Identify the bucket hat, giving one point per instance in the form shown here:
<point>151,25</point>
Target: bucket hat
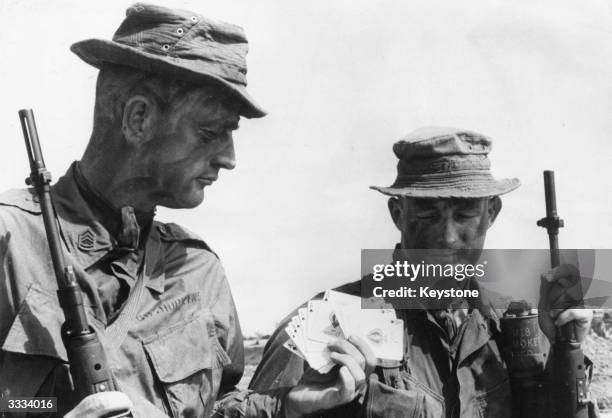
<point>177,44</point>
<point>437,162</point>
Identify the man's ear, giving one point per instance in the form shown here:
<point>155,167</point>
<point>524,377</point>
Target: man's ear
<point>138,116</point>
<point>494,206</point>
<point>395,210</point>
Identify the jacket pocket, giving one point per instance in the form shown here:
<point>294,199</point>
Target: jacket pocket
<point>496,402</point>
<point>383,401</point>
<point>188,361</point>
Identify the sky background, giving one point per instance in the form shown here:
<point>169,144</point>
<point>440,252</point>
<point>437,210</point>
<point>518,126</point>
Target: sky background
<point>343,80</point>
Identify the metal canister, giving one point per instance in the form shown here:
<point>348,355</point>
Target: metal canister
<point>525,358</point>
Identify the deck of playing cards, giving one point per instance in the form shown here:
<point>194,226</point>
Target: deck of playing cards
<point>339,315</point>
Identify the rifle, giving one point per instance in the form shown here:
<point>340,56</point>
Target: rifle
<point>566,363</point>
<point>88,366</point>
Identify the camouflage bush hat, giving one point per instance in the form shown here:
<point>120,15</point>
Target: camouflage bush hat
<point>439,162</point>
<point>177,44</point>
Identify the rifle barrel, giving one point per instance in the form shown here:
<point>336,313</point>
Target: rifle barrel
<point>551,214</point>
<point>88,366</point>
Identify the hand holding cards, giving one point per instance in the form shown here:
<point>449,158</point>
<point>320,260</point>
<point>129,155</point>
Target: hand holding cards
<point>338,316</point>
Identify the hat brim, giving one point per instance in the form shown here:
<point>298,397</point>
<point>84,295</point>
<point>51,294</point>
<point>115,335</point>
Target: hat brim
<point>449,187</point>
<point>98,51</point>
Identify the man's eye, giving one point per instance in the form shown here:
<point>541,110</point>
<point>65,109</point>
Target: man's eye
<point>208,134</point>
<point>426,215</point>
<point>467,214</point>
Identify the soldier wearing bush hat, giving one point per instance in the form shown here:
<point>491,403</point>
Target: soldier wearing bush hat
<point>170,92</point>
<point>444,198</point>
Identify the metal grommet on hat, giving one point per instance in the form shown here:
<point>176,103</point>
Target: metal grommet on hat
<point>180,31</point>
<point>194,19</point>
<point>166,47</point>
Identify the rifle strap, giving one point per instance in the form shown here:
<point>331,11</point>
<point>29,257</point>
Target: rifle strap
<point>116,332</point>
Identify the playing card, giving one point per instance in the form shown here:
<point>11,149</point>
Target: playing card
<point>349,311</point>
<point>388,342</point>
<point>323,325</point>
<point>339,315</point>
<point>374,302</point>
<point>302,314</point>
<point>310,344</point>
<point>289,345</point>
<point>316,354</point>
<point>295,339</point>
<point>383,334</point>
<point>352,322</point>
<point>342,301</point>
<point>298,327</point>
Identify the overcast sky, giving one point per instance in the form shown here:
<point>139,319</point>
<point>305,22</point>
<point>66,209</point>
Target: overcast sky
<point>343,80</point>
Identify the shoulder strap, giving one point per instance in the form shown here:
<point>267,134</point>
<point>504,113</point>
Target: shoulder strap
<point>24,199</point>
<point>172,232</point>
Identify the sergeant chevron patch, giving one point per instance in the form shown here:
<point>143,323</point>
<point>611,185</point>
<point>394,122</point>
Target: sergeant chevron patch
<point>86,240</point>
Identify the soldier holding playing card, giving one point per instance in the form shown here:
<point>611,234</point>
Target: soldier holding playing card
<point>443,198</point>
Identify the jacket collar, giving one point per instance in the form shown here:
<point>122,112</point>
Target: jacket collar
<point>86,238</point>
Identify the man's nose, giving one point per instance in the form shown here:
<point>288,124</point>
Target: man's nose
<point>450,233</point>
<point>226,157</point>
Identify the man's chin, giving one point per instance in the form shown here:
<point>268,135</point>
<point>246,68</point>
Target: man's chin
<point>184,202</point>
